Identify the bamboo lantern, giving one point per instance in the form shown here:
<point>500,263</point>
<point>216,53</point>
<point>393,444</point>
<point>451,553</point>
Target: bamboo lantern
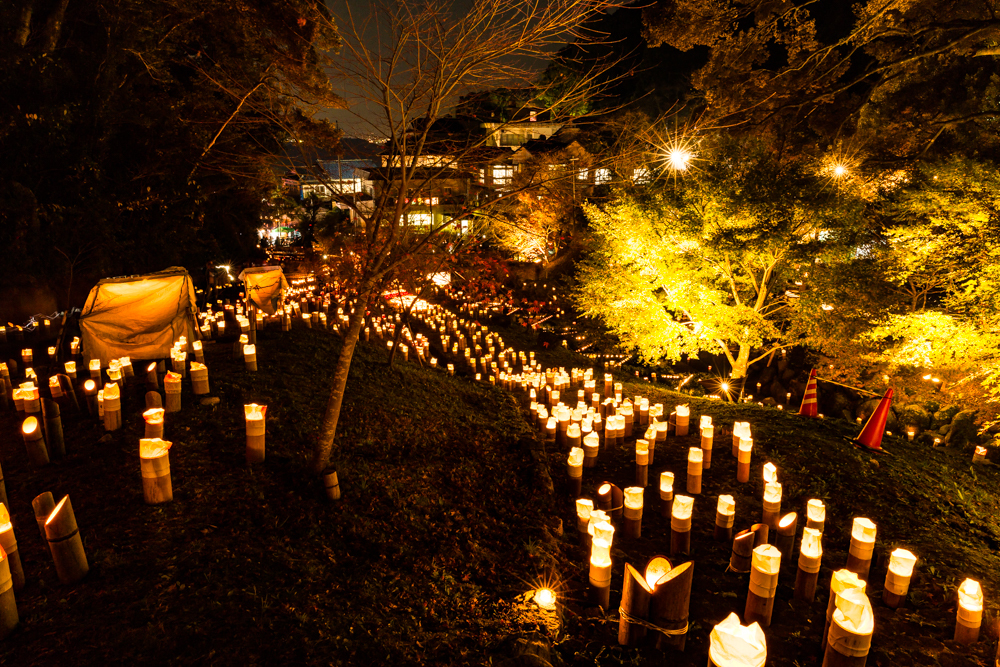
<point>743,545</point>
<point>199,378</point>
<point>584,507</point>
<point>574,467</point>
<point>126,368</point>
<point>634,606</point>
<point>95,370</point>
<point>591,446</point>
<point>8,606</point>
<point>63,537</point>
<point>599,526</point>
<point>772,505</point>
<point>52,355</point>
<point>627,415</point>
<point>71,369</point>
<point>683,420</point>
<point>55,443</point>
<point>784,536</point>
<point>765,565</point>
<point>815,515</point>
<point>250,357</point>
<point>332,484</point>
<point>152,380</point>
<point>733,645</point>
<point>743,460</point>
<point>608,385</point>
<point>859,559</point>
<point>741,430</point>
<point>573,435</point>
<point>644,412</point>
<point>970,612</point>
<point>694,471</point>
<point>979,455</point>
<point>810,559</point>
<point>154,463</point>
<point>600,573</point>
<point>897,578</point>
<point>641,463</point>
<point>153,400</point>
<point>725,516</point>
<point>633,511</point>
<point>115,373</point>
<point>851,628</point>
<point>32,401</point>
<point>55,389</point>
<point>3,489</point>
<point>172,392</point>
<point>9,545</point>
<point>17,395</point>
<point>680,525</point>
<point>154,422</point>
<point>661,432</point>
<point>31,431</point>
<point>666,493</point>
<point>670,601</point>
<point>112,407</point>
<point>43,504</point>
<point>707,435</point>
<point>551,427</point>
<point>841,581</point>
<point>27,356</point>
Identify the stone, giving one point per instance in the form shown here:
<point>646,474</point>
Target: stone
<point>915,415</point>
<point>210,401</point>
<point>945,415</point>
<point>963,429</point>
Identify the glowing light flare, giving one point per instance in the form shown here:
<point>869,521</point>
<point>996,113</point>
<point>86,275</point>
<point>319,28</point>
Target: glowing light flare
<point>545,599</point>
<point>678,158</point>
<point>658,568</point>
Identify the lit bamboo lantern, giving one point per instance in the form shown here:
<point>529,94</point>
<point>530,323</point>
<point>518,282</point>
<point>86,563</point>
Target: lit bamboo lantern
<point>255,415</point>
<point>154,463</point>
<point>743,460</point>
<point>815,514</point>
<point>859,559</point>
<point>8,606</point>
<point>765,565</point>
<point>644,412</point>
<point>584,507</point>
<point>17,394</point>
<point>55,389</point>
<point>627,414</point>
<point>125,364</point>
<point>661,432</point>
<point>3,489</point>
<point>112,407</point>
<point>199,378</point>
<point>970,612</point>
<point>27,356</point>
<point>610,499</point>
<point>770,472</point>
<point>725,516</point>
<point>74,345</point>
<point>810,559</point>
<point>172,392</point>
<point>115,372</point>
<point>733,645</point>
<point>850,635</point>
<point>897,578</point>
<point>591,446</point>
<point>63,536</point>
<point>34,443</point>
<point>841,581</point>
<point>573,435</point>
<point>9,544</point>
<point>683,420</point>
<point>741,430</point>
<point>666,493</point>
<point>785,532</point>
<point>152,380</point>
<point>250,357</point>
<point>52,355</point>
<point>154,422</point>
<point>979,455</point>
<point>32,400</point>
<point>743,545</point>
<point>680,525</point>
<point>95,370</point>
<point>694,470</point>
<point>772,505</point>
<point>43,504</point>
<point>71,369</point>
<point>636,592</point>
<point>641,463</point>
<point>633,511</point>
<point>574,467</point>
<point>600,573</point>
<point>707,435</point>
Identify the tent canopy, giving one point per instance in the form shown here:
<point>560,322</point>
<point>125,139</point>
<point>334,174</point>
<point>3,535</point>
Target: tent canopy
<point>138,316</point>
<point>265,285</point>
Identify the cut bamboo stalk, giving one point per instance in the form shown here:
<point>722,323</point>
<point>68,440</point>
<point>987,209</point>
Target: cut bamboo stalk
<point>841,581</point>
<point>670,604</point>
<point>112,407</point>
<point>694,471</point>
<point>850,635</point>
<point>574,435</point>
<point>627,413</point>
<point>250,357</point>
<point>764,569</point>
<point>154,464</point>
<point>3,489</point>
<point>610,499</point>
<point>153,400</point>
<point>666,493</point>
<point>38,454</point>
<point>707,435</point>
<point>8,606</point>
<point>95,370</point>
<point>741,431</point>
<point>680,525</point>
<point>739,559</point>
<point>574,468</point>
<point>584,508</point>
<point>154,423</point>
<point>152,379</point>
<point>54,440</point>
<point>332,484</point>
<point>43,504</point>
<point>725,516</point>
<point>599,590</point>
<point>743,460</point>
<point>635,605</point>
<point>172,392</point>
<point>255,416</point>
<point>859,559</point>
<point>810,559</point>
<point>199,378</point>
<point>815,515</point>
<point>591,447</point>
<point>771,507</point>
<point>641,463</point>
<point>969,618</point>
<point>682,420</point>
<point>69,392</point>
<point>897,578</point>
<point>551,428</point>
<point>785,533</point>
<point>633,511</point>
<point>733,645</point>
<point>9,544</point>
<point>63,536</point>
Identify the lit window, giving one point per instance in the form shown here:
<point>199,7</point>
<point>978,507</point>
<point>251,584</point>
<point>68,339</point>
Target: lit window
<point>502,175</point>
<point>582,174</point>
<point>602,175</point>
<point>641,175</point>
<point>421,219</point>
<point>482,175</point>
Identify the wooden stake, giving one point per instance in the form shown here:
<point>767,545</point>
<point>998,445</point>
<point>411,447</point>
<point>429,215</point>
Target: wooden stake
<point>63,536</point>
<point>635,605</point>
<point>154,463</point>
<point>669,606</point>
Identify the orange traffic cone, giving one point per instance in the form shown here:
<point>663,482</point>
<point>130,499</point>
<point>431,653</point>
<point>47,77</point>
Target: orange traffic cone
<point>871,434</point>
<point>809,406</point>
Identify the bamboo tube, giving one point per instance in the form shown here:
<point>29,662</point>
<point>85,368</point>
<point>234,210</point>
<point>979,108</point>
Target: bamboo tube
<point>850,635</point>
<point>199,378</point>
<point>764,569</point>
<point>725,516</point>
<point>250,357</point>
<point>154,423</point>
<point>815,515</point>
<point>810,559</point>
<point>666,493</point>
<point>670,604</point>
<point>172,392</point>
<point>743,545</point>
<point>641,463</point>
<point>784,534</point>
<point>694,471</point>
<point>152,379</point>
<point>153,400</point>
<point>743,460</point>
<point>733,645</point>
<point>771,507</point>
<point>112,407</point>
<point>897,578</point>
<point>707,435</point>
<point>584,508</point>
<point>199,351</point>
<point>680,525</point>
<point>63,537</point>
<point>635,605</point>
<point>255,428</point>
<point>9,544</point>
<point>574,467</point>
<point>633,511</point>
<point>628,415</point>
<point>3,489</point>
<point>859,559</point>
<point>55,442</point>
<point>32,404</point>
<point>332,484</point>
<point>154,464</point>
<point>8,606</point>
<point>599,590</point>
<point>573,435</point>
<point>591,446</point>
<point>741,430</point>
<point>38,454</point>
<point>969,618</point>
<point>650,439</point>
<point>551,428</point>
<point>43,504</point>
<point>682,420</point>
<point>840,582</point>
<point>70,367</point>
<point>95,370</point>
<point>610,499</point>
<point>69,393</point>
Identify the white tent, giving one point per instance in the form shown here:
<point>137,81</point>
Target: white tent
<point>265,285</point>
<point>138,316</point>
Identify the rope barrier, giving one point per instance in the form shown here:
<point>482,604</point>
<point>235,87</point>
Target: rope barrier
<point>650,626</point>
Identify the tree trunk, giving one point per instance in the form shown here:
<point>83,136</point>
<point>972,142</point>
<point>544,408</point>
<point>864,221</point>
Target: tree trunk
<point>741,363</point>
<point>53,27</point>
<point>24,24</point>
<point>324,443</point>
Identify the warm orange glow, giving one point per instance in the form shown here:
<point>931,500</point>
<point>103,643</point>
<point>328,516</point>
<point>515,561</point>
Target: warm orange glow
<point>584,506</point>
<point>95,364</point>
<point>111,391</point>
<point>656,570</point>
<point>970,595</point>
<point>150,368</point>
<point>4,518</point>
<point>153,448</point>
<point>666,482</point>
<point>56,510</point>
<point>605,488</point>
<point>545,598</point>
<point>770,472</point>
<point>787,520</point>
<point>901,562</point>
<point>89,385</point>
<point>30,425</point>
<point>153,416</point>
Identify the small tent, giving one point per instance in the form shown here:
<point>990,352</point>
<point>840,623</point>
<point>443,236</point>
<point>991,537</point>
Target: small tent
<point>265,285</point>
<point>138,316</point>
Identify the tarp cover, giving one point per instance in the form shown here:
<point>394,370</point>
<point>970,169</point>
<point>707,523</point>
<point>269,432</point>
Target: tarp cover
<point>138,316</point>
<point>265,285</point>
